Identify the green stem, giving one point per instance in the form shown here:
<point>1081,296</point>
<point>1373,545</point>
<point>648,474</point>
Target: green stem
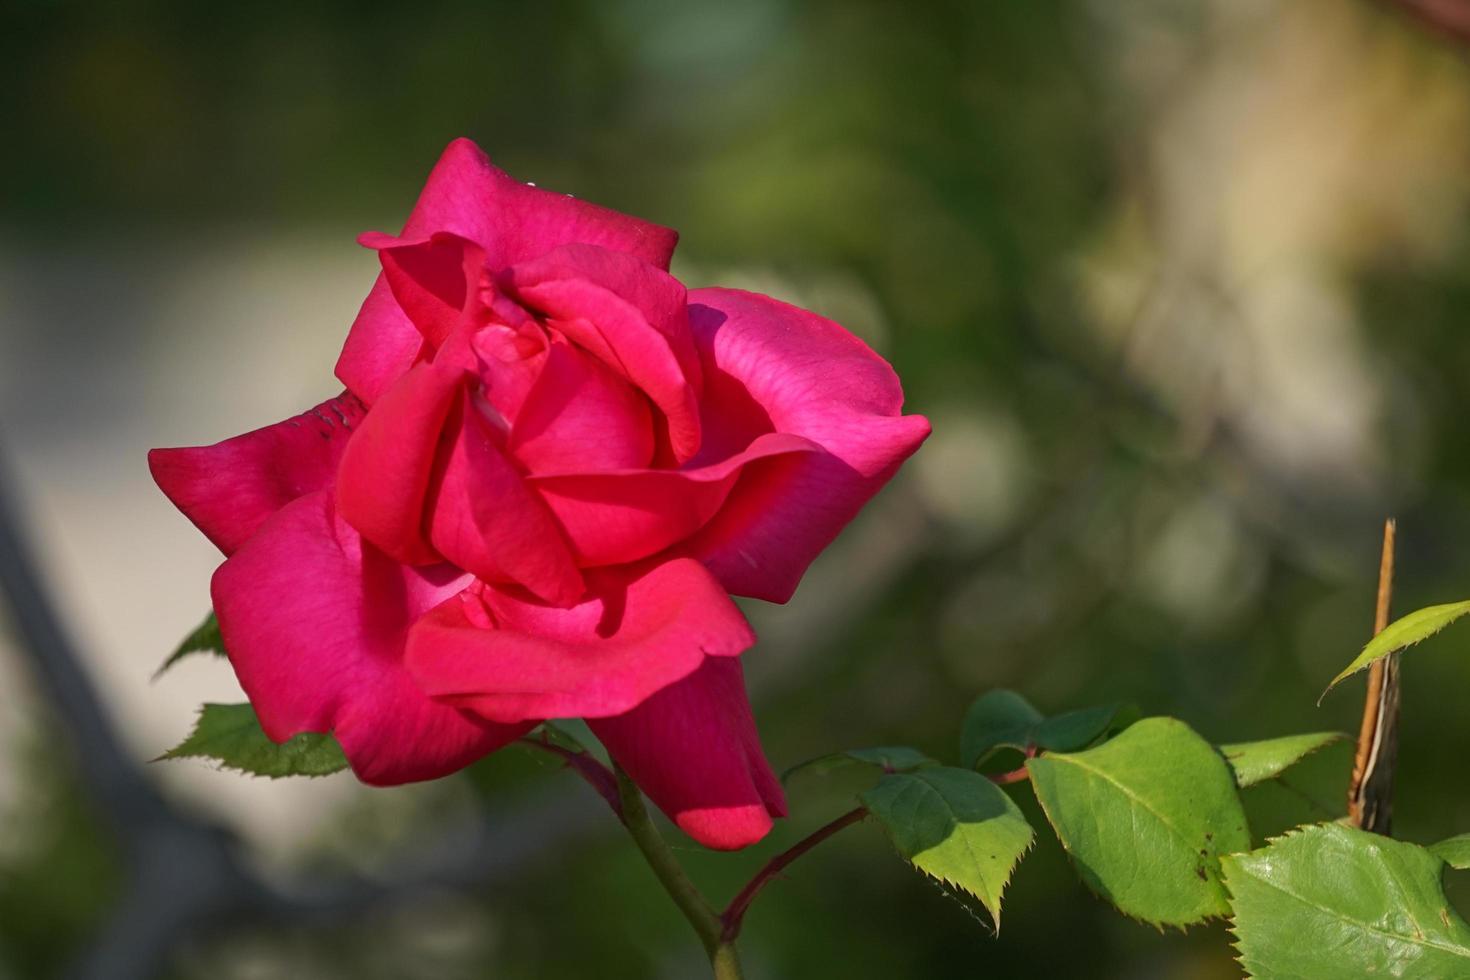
<point>726,962</point>
<point>701,916</point>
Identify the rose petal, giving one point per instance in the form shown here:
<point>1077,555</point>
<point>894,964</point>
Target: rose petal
<point>510,658</point>
<point>483,517</point>
<point>580,414</point>
<point>433,279</point>
<point>467,195</point>
<point>770,363</point>
<point>315,620</point>
<point>382,344</point>
<point>229,489</point>
<point>632,316</point>
<point>384,477</point>
<point>693,748</point>
<point>615,517</point>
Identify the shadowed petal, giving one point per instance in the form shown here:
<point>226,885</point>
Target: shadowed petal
<point>693,749</point>
<point>386,469</point>
<point>483,517</point>
<point>627,515</point>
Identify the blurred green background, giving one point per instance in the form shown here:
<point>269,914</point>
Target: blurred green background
<point>1182,285</point>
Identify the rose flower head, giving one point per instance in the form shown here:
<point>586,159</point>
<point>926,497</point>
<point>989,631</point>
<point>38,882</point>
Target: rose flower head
<point>551,467</point>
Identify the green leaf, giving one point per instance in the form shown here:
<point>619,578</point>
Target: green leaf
<point>1454,851</point>
<point>1146,817</point>
<point>889,758</point>
<point>1418,625</point>
<point>1334,903</point>
<point>231,735</point>
<point>1256,762</point>
<point>1003,719</point>
<point>204,639</point>
<point>995,720</point>
<point>954,825</point>
<point>1075,729</point>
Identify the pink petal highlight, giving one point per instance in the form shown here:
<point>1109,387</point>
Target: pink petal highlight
<point>315,621</point>
<point>693,748</point>
<point>231,488</point>
<point>510,658</point>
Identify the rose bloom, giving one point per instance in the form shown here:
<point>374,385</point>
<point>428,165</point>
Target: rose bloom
<point>550,469</point>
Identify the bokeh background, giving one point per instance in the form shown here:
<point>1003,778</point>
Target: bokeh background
<point>1182,285</point>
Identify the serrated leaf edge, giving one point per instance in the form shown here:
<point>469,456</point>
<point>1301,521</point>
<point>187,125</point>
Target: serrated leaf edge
<point>1354,666</point>
<point>189,646</point>
<point>219,765</point>
<point>1302,831</point>
<point>948,883</point>
<point>845,756</point>
<point>1066,846</point>
<point>1336,737</point>
<point>1005,881</point>
<point>1159,924</point>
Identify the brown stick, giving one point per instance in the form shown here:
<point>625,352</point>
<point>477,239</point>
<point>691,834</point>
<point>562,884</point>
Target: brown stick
<point>1370,794</point>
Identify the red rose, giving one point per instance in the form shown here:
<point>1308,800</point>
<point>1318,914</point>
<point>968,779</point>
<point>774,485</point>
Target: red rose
<point>550,468</point>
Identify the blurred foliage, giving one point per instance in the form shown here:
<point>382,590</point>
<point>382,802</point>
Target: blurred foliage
<point>1182,285</point>
<point>60,871</point>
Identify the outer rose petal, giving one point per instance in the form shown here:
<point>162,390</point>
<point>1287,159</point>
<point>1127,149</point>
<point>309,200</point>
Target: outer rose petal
<point>630,314</point>
<point>770,363</point>
<point>385,472</point>
<point>229,489</point>
<point>509,658</point>
<point>315,619</point>
<point>467,195</point>
<point>693,749</point>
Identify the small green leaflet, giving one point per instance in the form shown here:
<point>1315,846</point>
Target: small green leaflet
<point>1076,729</point>
<point>1256,762</point>
<point>1146,818</point>
<point>1418,625</point>
<point>1454,851</point>
<point>889,758</point>
<point>204,639</point>
<point>231,735</point>
<point>996,719</point>
<point>1330,902</point>
<point>560,733</point>
<point>1003,719</point>
<point>954,825</point>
